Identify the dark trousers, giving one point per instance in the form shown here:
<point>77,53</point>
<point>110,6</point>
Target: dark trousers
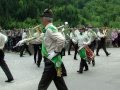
<point>103,46</point>
<point>75,48</point>
<point>92,46</point>
<point>83,64</point>
<point>50,74</point>
<point>63,52</point>
<point>64,72</point>
<point>23,47</point>
<point>37,51</point>
<point>4,66</point>
<point>118,40</point>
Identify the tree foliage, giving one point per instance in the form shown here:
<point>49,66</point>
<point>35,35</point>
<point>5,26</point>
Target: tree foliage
<point>26,13</point>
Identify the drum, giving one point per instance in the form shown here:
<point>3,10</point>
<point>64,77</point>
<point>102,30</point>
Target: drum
<point>82,53</point>
<point>90,54</point>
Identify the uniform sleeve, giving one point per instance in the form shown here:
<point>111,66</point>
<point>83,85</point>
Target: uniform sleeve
<point>58,38</point>
<point>40,38</point>
<point>71,36</point>
<point>3,40</point>
<point>37,39</point>
<point>92,36</point>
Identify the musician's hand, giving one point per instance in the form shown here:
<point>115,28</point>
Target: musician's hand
<point>86,43</point>
<point>75,42</point>
<point>51,54</point>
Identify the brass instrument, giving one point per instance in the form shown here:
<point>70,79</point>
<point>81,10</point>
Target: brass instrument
<point>105,32</point>
<point>31,31</point>
<point>61,28</point>
<point>30,36</point>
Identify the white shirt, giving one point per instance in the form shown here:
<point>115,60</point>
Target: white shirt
<point>24,35</point>
<point>77,32</point>
<point>81,39</point>
<point>3,40</point>
<point>91,35</point>
<point>39,38</point>
<point>73,35</point>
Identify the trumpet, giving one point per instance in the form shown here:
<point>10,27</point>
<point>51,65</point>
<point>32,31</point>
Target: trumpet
<point>105,31</point>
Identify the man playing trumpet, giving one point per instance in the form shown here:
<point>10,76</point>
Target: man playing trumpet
<point>102,41</point>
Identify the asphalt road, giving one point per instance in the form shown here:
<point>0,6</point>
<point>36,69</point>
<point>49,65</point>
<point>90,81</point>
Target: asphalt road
<point>104,76</point>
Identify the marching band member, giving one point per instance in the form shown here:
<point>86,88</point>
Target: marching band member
<point>92,45</point>
<point>37,44</point>
<point>72,43</point>
<point>24,46</point>
<point>36,40</point>
<point>63,50</point>
<point>101,42</point>
<point>3,64</point>
<point>64,72</point>
<point>83,41</point>
<point>52,45</point>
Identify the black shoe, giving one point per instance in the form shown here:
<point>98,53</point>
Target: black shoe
<point>75,59</point>
<point>86,69</point>
<point>38,65</point>
<point>9,80</point>
<point>64,74</point>
<point>69,54</point>
<point>97,55</point>
<point>108,54</point>
<point>34,61</point>
<point>89,62</point>
<point>80,72</point>
<point>93,63</point>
